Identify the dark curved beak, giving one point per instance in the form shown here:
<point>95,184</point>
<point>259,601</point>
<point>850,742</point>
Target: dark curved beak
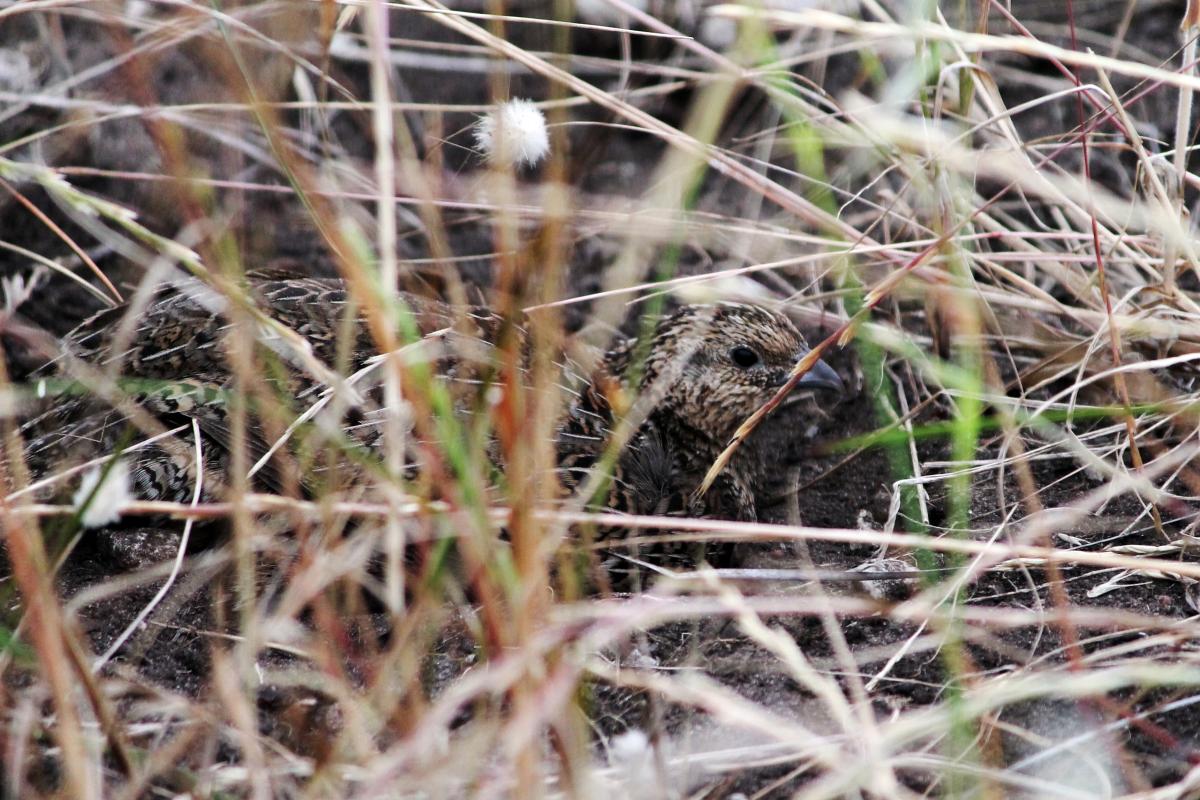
<point>822,376</point>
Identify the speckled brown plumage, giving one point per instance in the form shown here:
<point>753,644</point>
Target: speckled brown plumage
<point>176,358</point>
<point>706,369</point>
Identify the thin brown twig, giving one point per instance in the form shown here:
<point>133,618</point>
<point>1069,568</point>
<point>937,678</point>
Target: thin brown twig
<point>61,234</point>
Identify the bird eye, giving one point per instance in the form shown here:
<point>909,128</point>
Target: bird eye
<point>743,356</point>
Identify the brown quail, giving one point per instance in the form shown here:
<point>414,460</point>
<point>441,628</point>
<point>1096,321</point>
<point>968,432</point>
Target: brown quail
<point>705,370</point>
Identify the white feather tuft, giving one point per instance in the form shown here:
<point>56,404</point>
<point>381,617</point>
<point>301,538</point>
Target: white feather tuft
<point>109,500</point>
<point>16,289</point>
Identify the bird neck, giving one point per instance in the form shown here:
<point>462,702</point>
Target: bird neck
<point>699,441</point>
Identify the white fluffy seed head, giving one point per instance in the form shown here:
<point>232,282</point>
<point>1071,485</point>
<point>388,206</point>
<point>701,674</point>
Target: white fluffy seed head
<point>630,748</point>
<point>727,288</point>
<point>513,133</point>
<point>601,12</point>
<point>109,500</point>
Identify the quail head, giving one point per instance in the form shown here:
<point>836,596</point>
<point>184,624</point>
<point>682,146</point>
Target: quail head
<point>707,368</point>
<point>720,363</point>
